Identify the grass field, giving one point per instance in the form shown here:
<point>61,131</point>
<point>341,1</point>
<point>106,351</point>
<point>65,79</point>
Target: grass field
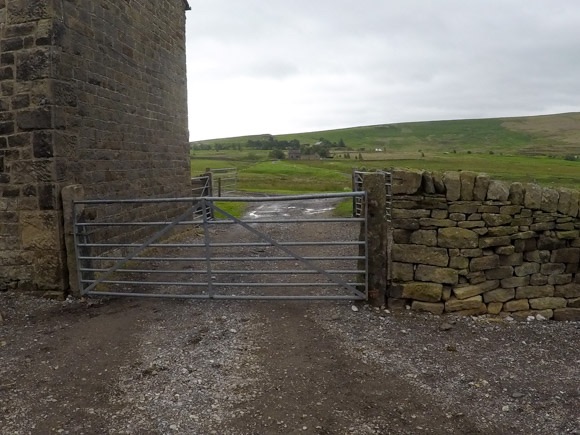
<point>532,149</point>
<point>548,134</point>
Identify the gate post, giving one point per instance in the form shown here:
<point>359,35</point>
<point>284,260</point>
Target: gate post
<point>70,194</point>
<point>374,207</point>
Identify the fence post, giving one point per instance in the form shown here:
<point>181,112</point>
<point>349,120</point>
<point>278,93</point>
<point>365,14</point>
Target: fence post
<point>209,192</point>
<point>70,194</point>
<point>376,233</point>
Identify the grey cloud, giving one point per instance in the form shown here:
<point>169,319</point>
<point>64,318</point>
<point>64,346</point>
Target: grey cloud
<point>345,62</point>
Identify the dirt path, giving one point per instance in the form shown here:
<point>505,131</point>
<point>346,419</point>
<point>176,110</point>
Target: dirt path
<point>163,367</point>
<point>316,387</point>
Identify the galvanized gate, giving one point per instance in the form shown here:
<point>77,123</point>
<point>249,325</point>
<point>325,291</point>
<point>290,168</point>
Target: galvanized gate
<point>286,248</point>
<point>357,186</point>
<point>224,180</point>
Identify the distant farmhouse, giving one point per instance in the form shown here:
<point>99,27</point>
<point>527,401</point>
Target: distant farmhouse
<point>294,154</point>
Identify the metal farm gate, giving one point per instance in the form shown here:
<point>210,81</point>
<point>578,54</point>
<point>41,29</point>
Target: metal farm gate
<point>357,186</point>
<point>224,180</point>
<point>288,247</point>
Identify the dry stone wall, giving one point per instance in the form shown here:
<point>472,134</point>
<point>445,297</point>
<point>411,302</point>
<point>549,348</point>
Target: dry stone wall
<point>92,92</point>
<point>466,244</point>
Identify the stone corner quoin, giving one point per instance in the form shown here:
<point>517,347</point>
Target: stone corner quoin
<point>466,244</point>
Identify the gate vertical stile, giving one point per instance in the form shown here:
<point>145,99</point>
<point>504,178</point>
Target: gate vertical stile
<point>366,223</point>
<point>206,239</point>
<point>77,248</point>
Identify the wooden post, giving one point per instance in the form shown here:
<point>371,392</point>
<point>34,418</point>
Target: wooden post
<point>374,185</point>
<point>70,194</point>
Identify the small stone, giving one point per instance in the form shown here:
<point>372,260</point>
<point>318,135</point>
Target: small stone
<point>354,308</point>
<point>445,327</point>
<point>530,318</point>
<point>451,348</point>
<point>517,395</point>
<point>505,408</point>
<point>540,317</point>
<point>173,427</point>
<point>509,318</point>
<point>233,330</point>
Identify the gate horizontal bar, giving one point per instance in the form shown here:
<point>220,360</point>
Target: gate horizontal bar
<point>221,222</point>
<point>285,221</point>
<point>225,284</point>
<point>264,259</point>
<point>232,297</point>
<point>216,245</point>
<point>226,272</point>
<point>224,198</point>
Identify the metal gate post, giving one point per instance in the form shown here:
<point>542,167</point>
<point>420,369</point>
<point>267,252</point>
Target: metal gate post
<point>376,233</point>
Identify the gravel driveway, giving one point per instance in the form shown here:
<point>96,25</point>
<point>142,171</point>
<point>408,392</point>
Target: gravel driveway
<point>205,367</point>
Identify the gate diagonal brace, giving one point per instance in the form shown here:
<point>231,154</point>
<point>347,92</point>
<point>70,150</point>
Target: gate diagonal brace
<point>140,249</point>
<point>264,237</point>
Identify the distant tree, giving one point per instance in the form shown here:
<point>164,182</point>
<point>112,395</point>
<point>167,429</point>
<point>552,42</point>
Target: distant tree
<point>341,143</point>
<point>360,157</point>
<point>277,154</point>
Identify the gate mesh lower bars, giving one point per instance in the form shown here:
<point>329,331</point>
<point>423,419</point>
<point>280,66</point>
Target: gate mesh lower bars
<point>287,247</point>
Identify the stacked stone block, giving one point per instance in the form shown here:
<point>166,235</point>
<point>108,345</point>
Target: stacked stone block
<point>91,93</point>
<point>466,244</point>
<point>31,246</point>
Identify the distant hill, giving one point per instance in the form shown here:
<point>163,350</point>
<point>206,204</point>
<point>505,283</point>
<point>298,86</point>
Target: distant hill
<point>552,135</point>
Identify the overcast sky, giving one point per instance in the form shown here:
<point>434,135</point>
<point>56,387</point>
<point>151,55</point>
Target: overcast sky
<point>288,66</point>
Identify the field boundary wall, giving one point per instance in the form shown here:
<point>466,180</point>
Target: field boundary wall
<point>466,244</point>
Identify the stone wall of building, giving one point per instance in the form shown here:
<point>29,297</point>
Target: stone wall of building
<point>466,244</point>
<point>92,93</point>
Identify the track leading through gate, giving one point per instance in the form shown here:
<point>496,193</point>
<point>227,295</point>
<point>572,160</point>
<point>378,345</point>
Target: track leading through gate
<point>287,247</point>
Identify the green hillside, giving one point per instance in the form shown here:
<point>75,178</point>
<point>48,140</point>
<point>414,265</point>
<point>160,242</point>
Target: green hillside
<point>550,135</point>
<point>540,149</point>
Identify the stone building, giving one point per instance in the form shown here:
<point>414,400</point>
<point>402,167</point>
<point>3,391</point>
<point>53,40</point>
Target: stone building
<point>92,92</point>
